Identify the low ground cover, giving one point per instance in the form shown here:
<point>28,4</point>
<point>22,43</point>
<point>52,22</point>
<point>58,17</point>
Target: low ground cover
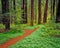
<point>9,35</point>
<point>39,39</point>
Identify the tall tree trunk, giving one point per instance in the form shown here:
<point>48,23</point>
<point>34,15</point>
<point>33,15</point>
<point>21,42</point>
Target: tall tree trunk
<point>32,12</point>
<point>58,12</point>
<point>45,12</point>
<point>24,8</point>
<point>14,8</point>
<point>53,11</point>
<point>6,17</point>
<point>14,4</point>
<point>53,7</point>
<point>39,11</point>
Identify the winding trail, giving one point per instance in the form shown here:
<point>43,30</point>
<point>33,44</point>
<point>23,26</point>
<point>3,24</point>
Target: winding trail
<point>14,40</point>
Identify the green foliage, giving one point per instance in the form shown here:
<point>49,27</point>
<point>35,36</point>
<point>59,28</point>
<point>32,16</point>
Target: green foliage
<point>17,13</point>
<point>31,27</point>
<point>38,39</point>
<point>9,35</point>
<point>1,26</point>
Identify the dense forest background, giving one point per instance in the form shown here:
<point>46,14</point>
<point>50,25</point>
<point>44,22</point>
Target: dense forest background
<point>28,12</point>
<point>29,23</point>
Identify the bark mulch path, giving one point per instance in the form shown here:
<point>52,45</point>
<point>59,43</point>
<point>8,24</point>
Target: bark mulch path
<point>14,40</point>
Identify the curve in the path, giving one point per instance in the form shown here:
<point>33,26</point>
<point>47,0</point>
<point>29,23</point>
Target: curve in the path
<point>14,40</point>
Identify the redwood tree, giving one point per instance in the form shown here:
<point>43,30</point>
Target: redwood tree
<point>45,12</point>
<point>5,11</point>
<point>39,11</point>
<point>24,8</point>
<point>32,12</point>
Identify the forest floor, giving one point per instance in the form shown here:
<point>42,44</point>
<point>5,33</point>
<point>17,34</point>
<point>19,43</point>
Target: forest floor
<point>41,38</point>
<point>14,40</point>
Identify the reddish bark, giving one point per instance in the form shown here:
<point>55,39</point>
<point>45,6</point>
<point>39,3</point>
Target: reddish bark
<point>32,12</point>
<point>45,12</point>
<point>39,11</point>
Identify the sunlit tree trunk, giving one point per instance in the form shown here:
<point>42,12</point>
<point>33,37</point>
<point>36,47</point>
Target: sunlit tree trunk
<point>45,12</point>
<point>32,12</point>
<point>5,11</point>
<point>39,11</point>
<point>24,8</point>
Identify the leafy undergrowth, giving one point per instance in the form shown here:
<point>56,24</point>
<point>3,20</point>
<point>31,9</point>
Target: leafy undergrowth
<point>1,26</point>
<point>14,32</point>
<point>39,39</point>
<point>57,32</point>
<point>31,27</point>
<point>9,35</point>
<point>23,26</point>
